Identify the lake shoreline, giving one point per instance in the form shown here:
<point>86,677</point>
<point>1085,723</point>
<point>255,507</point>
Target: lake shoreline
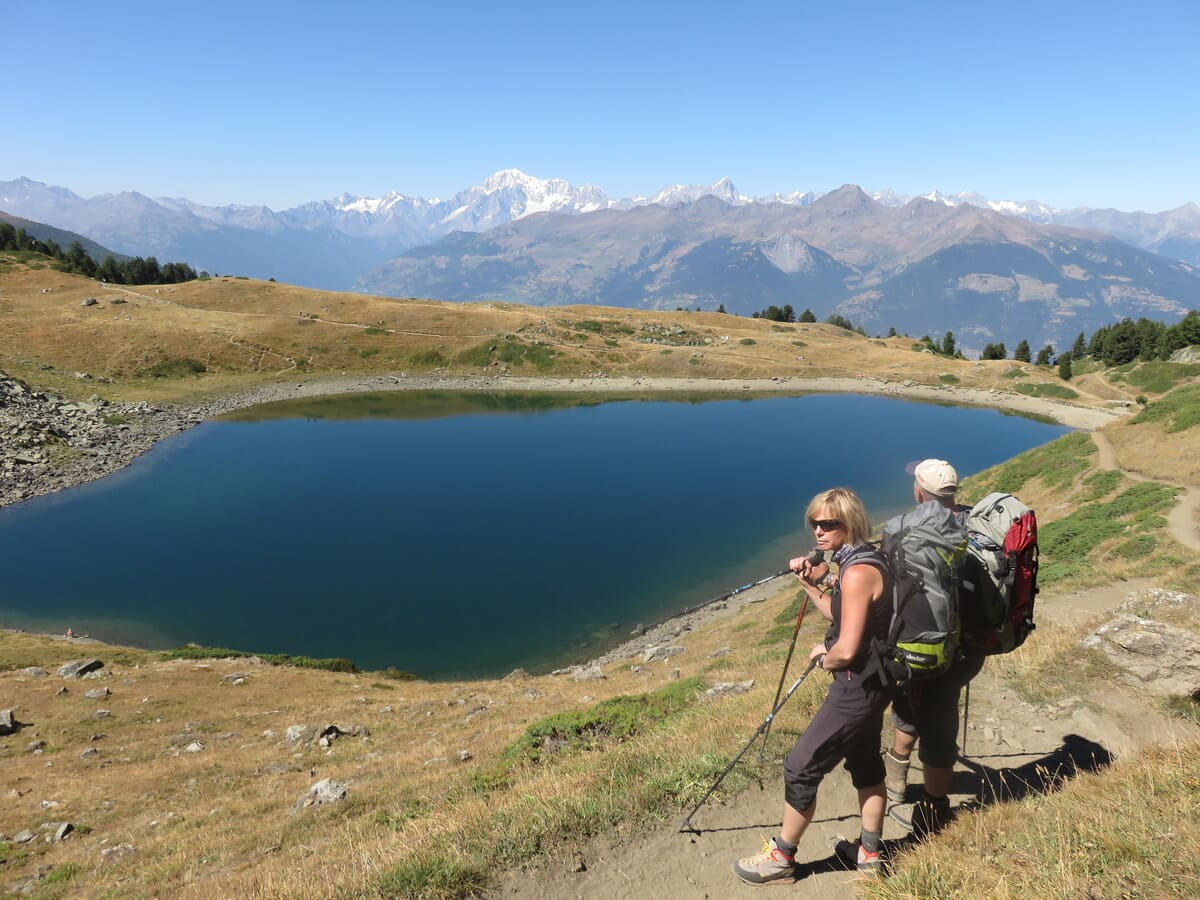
<point>145,425</point>
<point>102,438</point>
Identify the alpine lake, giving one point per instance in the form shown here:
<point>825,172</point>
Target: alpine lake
<point>467,534</point>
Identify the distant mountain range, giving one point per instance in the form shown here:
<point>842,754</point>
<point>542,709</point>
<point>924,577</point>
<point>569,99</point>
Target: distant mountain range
<point>989,270</point>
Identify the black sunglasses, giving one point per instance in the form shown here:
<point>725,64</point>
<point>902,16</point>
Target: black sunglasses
<point>826,524</point>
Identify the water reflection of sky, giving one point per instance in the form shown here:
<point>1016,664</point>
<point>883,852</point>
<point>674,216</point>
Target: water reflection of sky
<point>463,544</point>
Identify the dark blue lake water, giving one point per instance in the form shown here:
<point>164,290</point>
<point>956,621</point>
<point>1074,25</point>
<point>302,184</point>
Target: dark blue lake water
<point>462,535</point>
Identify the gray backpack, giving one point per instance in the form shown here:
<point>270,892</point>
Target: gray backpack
<point>924,550</point>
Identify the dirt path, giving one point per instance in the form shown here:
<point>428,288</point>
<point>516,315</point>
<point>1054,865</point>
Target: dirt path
<point>1012,748</point>
<point>1183,522</point>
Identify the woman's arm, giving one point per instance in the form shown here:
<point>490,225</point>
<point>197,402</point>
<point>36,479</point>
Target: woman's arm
<point>811,578</point>
<point>861,585</point>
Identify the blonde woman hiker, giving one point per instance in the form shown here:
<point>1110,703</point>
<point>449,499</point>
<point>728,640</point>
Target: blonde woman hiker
<point>846,728</point>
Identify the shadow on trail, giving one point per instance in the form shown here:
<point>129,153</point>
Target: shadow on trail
<point>1043,775</point>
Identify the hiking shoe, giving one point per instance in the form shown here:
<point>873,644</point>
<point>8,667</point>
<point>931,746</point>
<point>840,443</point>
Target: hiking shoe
<point>896,777</point>
<point>771,866</point>
<point>924,818</point>
<point>853,856</point>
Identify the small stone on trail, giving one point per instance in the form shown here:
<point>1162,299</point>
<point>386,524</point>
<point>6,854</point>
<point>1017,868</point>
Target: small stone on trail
<point>728,688</point>
<point>464,755</point>
<point>112,854</point>
<point>97,693</point>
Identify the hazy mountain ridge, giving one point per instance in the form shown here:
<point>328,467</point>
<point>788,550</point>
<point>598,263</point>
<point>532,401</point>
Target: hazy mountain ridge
<point>878,258</point>
<point>213,237</point>
<point>923,268</point>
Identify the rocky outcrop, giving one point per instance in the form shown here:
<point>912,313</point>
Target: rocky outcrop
<point>1147,648</point>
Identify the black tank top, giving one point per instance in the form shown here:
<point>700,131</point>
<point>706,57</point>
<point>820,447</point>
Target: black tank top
<point>879,612</point>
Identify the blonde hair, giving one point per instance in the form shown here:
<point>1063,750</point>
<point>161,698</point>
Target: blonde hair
<point>845,506</point>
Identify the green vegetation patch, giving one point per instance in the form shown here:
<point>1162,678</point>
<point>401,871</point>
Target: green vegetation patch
<point>510,350</point>
<point>435,875</point>
<point>612,720</point>
<point>1184,707</point>
<point>1058,464</point>
<point>949,379</point>
<point>172,367</point>
<point>1101,484</point>
<point>61,874</point>
<point>1158,376</point>
<point>747,342</point>
<point>371,329</point>
<point>1015,373</point>
<point>1054,391</point>
<point>1065,544</point>
<point>1177,411</point>
<point>431,358</point>
<point>191,651</point>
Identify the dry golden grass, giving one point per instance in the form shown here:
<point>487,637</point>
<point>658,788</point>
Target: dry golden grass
<point>219,822</point>
<point>249,332</point>
<point>1132,830</point>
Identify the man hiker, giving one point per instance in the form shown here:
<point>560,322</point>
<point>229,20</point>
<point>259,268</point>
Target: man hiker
<point>928,709</point>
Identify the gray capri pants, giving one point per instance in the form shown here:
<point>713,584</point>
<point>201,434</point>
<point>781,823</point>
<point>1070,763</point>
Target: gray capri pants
<point>846,727</point>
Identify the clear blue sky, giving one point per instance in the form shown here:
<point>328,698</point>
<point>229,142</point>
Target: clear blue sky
<point>1071,103</point>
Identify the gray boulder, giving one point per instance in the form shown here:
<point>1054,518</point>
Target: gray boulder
<point>78,668</point>
<point>589,673</point>
<point>324,792</point>
<point>1163,658</point>
<point>654,654</point>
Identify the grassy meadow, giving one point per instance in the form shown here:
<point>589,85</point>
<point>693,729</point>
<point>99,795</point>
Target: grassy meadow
<point>457,780</point>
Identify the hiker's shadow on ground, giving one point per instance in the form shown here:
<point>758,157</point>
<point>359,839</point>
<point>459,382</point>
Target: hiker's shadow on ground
<point>1043,775</point>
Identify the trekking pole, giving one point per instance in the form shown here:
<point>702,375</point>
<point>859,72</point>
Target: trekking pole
<point>966,711</point>
<point>687,821</point>
<point>762,751</point>
<point>815,558</point>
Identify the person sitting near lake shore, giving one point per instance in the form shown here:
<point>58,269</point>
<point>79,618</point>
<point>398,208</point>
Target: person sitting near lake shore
<point>846,728</point>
